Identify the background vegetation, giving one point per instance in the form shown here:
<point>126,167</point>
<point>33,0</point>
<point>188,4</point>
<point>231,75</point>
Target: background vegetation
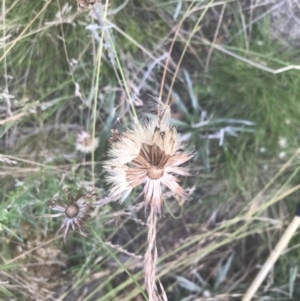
<point>235,100</point>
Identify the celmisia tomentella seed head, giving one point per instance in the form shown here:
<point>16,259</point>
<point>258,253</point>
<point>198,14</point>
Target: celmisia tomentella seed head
<point>76,212</point>
<point>150,154</point>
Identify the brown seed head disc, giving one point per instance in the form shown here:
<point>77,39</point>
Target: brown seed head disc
<point>155,173</point>
<point>72,210</point>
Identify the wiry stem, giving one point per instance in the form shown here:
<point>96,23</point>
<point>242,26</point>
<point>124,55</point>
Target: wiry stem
<point>151,256</point>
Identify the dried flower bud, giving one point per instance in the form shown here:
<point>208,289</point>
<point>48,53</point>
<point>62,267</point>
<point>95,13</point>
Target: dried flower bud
<point>81,4</point>
<point>85,142</point>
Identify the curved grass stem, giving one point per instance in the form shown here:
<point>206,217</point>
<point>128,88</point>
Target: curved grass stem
<point>100,49</point>
<point>195,29</point>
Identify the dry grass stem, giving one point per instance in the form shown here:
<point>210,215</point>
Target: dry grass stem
<point>4,159</point>
<point>122,250</point>
<point>269,264</point>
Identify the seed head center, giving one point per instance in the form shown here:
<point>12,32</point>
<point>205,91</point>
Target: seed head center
<point>72,210</point>
<point>87,141</point>
<point>154,172</point>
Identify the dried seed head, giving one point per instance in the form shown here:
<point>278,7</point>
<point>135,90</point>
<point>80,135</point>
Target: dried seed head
<point>149,154</point>
<point>81,4</point>
<point>76,212</point>
<point>85,142</point>
<point>72,210</point>
<point>154,173</point>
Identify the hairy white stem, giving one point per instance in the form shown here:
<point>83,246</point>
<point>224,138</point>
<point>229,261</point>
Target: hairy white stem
<point>151,256</point>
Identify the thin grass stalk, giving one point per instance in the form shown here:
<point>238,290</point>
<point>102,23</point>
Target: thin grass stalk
<point>108,39</point>
<point>170,51</point>
<point>195,29</point>
<point>8,104</point>
<point>100,49</point>
<point>112,254</point>
<point>14,42</point>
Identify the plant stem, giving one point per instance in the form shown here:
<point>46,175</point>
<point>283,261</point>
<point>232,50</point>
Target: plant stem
<point>151,257</point>
<point>269,264</point>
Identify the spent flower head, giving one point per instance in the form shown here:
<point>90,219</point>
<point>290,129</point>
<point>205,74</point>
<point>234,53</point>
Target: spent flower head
<point>75,212</point>
<point>81,4</point>
<point>149,154</point>
<point>85,143</point>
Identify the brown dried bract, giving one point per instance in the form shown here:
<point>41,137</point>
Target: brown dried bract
<point>115,137</point>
